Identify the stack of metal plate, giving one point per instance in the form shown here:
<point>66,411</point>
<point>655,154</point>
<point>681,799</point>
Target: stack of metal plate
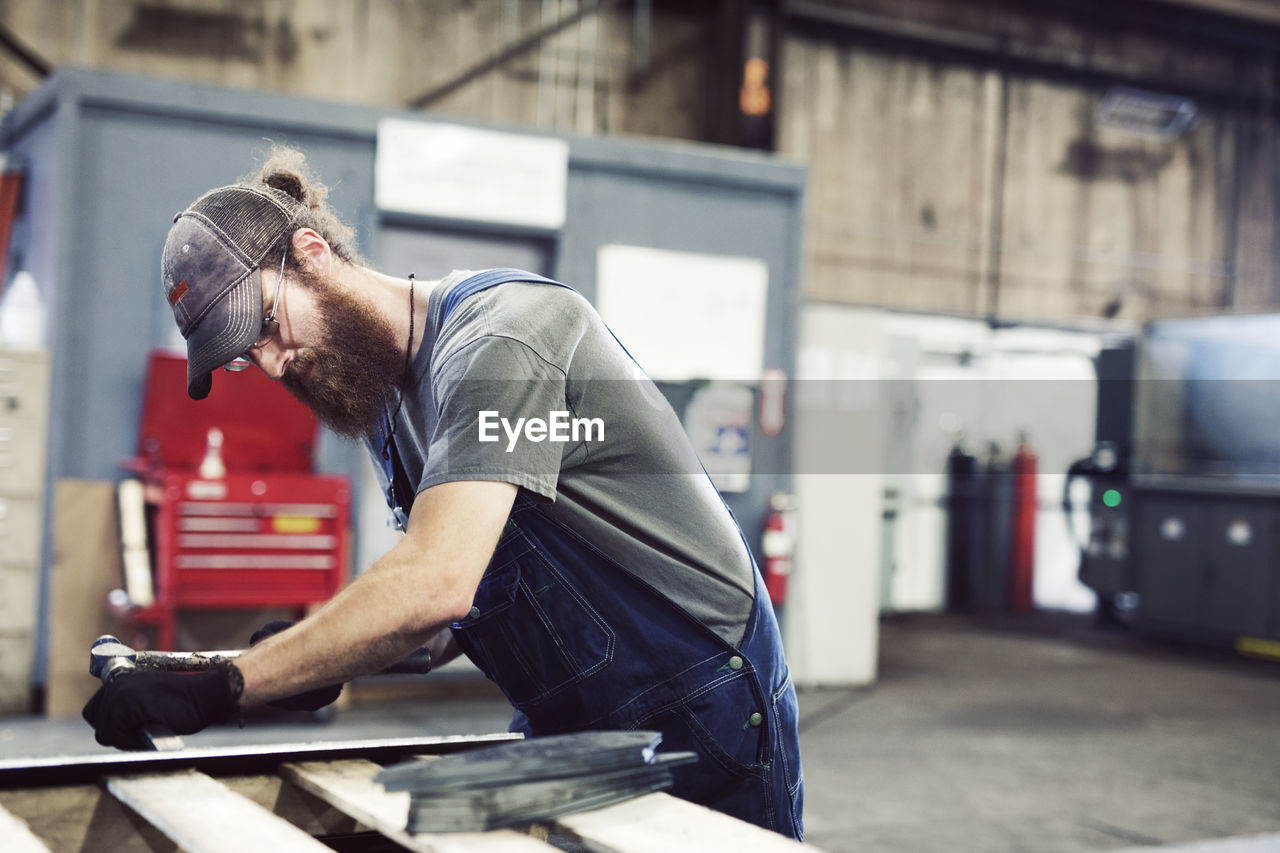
<point>531,780</point>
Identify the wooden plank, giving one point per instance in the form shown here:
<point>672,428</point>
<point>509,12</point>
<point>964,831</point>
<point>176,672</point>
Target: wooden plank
<point>83,817</point>
<point>349,787</point>
<point>305,811</point>
<point>18,837</point>
<point>661,823</point>
<point>202,815</point>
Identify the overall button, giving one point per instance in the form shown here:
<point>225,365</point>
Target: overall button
<point>735,663</point>
<point>475,612</point>
<point>755,719</point>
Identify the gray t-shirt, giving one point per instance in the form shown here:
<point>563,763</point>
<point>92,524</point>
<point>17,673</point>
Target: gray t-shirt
<point>611,457</point>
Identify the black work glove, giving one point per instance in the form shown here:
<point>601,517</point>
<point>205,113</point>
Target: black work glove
<point>185,702</point>
<point>312,700</point>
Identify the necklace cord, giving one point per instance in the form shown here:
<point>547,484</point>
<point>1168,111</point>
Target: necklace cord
<point>390,431</point>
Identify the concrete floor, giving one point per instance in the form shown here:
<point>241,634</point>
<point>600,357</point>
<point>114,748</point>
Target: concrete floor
<point>1042,734</point>
<point>1036,734</point>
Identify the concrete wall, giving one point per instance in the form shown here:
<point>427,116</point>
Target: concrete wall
<point>626,70</point>
<point>961,160</point>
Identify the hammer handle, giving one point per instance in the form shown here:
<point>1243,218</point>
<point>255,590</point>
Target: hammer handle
<point>417,663</point>
<point>161,738</point>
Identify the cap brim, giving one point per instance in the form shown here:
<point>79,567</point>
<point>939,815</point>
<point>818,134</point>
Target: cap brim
<point>226,331</point>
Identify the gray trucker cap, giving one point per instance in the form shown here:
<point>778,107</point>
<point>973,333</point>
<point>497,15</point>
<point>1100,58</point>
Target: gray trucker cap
<point>211,272</point>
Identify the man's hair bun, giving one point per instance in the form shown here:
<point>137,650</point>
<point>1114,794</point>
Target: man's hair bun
<point>287,183</point>
<point>286,170</point>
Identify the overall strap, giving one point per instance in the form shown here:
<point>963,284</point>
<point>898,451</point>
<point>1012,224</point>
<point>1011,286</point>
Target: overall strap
<point>399,492</point>
<point>484,280</point>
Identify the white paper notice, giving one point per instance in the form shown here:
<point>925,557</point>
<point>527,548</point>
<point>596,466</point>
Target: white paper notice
<point>718,422</point>
<point>458,172</point>
<point>684,315</point>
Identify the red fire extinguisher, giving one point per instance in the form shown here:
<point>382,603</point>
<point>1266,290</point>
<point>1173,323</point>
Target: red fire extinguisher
<point>778,546</point>
<point>1023,546</point>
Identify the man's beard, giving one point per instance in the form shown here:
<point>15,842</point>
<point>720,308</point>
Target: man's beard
<point>356,366</point>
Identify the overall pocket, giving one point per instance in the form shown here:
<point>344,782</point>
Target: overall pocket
<point>530,630</point>
<point>730,774</point>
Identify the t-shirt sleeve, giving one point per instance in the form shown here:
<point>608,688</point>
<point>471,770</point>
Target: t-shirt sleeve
<point>503,415</point>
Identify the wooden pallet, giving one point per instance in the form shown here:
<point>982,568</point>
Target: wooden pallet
<point>293,798</point>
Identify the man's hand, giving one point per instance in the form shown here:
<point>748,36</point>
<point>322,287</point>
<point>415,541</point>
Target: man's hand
<point>311,700</point>
<point>183,702</point>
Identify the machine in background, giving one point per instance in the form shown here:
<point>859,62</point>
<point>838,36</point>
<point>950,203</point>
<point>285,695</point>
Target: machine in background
<point>1184,511</point>
<point>1105,552</point>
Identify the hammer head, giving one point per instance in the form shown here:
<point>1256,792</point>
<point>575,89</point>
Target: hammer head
<point>108,655</point>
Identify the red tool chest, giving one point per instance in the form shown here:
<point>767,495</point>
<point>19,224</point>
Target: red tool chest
<point>266,533</point>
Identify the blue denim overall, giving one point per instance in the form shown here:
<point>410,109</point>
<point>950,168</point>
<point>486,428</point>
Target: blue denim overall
<point>576,642</point>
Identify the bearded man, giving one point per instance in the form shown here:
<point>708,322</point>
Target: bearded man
<point>595,575</point>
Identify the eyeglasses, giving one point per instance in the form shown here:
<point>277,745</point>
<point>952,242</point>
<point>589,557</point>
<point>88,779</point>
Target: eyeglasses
<point>270,328</point>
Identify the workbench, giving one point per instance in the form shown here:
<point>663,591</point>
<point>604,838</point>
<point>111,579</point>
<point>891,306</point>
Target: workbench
<point>309,797</point>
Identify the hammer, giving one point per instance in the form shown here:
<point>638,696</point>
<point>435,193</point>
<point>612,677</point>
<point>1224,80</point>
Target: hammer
<point>108,657</point>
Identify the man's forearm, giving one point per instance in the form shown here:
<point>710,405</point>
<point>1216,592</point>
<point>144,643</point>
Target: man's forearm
<point>397,605</point>
<point>380,618</point>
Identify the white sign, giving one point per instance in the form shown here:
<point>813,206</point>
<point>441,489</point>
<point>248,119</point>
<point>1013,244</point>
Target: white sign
<point>684,315</point>
<point>458,172</point>
<point>718,421</point>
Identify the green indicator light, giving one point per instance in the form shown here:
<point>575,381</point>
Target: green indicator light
<point>1111,498</point>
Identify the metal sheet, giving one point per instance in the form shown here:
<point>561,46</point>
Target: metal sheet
<point>255,758</point>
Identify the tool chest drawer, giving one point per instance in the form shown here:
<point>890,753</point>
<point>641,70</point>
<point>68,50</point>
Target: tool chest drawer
<point>249,540</point>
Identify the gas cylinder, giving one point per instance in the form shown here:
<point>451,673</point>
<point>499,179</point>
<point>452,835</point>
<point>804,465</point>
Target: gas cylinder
<point>1023,530</point>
